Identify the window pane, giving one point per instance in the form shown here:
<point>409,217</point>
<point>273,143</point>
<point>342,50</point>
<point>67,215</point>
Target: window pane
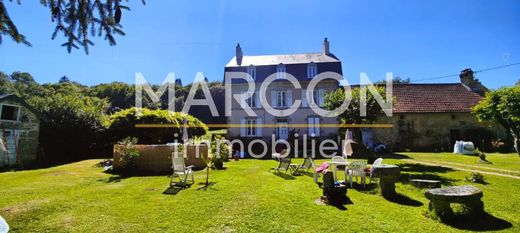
<point>9,113</point>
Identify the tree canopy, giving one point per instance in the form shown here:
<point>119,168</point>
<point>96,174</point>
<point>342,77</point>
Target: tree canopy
<point>352,115</point>
<point>77,20</point>
<point>503,107</point>
<point>75,118</point>
<point>396,80</point>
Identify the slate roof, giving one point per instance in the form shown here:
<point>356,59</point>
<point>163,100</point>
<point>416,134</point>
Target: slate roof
<point>263,60</point>
<point>434,98</point>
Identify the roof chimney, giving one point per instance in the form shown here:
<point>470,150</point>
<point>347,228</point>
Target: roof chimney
<point>326,49</point>
<point>468,80</point>
<point>239,54</point>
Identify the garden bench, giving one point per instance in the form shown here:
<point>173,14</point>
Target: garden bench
<point>440,199</point>
<point>420,183</point>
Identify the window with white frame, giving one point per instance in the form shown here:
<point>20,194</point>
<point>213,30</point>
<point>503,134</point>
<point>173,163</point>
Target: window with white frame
<point>312,70</point>
<point>9,112</point>
<point>251,70</point>
<point>281,71</point>
<point>314,126</point>
<point>319,97</point>
<point>252,100</point>
<point>251,127</point>
<point>281,98</point>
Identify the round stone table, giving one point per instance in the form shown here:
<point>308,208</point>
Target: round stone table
<point>387,175</point>
<point>467,195</point>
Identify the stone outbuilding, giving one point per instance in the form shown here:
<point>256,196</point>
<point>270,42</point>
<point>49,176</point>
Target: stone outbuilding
<point>431,117</point>
<point>19,128</point>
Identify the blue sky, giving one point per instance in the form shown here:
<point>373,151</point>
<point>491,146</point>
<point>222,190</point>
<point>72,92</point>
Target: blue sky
<point>416,39</point>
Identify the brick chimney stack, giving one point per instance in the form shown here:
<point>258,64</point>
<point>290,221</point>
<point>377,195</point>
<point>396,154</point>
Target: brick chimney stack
<point>326,46</point>
<point>239,55</point>
<point>469,81</point>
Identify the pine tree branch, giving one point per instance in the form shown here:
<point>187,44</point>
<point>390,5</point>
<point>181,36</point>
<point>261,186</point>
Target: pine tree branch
<point>77,20</point>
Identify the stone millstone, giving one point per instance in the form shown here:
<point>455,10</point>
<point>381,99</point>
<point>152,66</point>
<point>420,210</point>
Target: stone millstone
<point>440,199</point>
<point>419,183</point>
<point>454,193</point>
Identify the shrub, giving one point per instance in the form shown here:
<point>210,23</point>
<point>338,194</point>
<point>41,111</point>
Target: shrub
<point>476,177</point>
<point>129,153</point>
<point>219,153</point>
<point>122,124</point>
<point>71,125</point>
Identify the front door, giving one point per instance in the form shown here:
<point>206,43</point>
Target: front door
<point>11,140</point>
<point>282,130</point>
<point>454,136</point>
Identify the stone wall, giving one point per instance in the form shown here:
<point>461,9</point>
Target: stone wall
<point>429,131</point>
<point>157,158</point>
<point>28,129</point>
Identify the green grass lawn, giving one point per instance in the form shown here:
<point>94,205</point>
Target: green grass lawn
<point>79,197</point>
<point>507,163</point>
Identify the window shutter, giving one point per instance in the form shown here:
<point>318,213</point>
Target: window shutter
<point>259,127</point>
<point>310,121</point>
<point>321,97</point>
<point>243,102</point>
<point>289,98</point>
<point>258,105</point>
<point>273,99</point>
<point>242,127</point>
<point>317,126</point>
<point>304,98</point>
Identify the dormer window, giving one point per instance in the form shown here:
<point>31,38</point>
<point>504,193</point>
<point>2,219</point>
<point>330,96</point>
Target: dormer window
<point>281,71</point>
<point>312,70</point>
<point>251,71</point>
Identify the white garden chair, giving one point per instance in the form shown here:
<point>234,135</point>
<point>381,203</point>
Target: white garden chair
<point>341,160</point>
<point>181,171</point>
<point>357,169</point>
<point>378,162</point>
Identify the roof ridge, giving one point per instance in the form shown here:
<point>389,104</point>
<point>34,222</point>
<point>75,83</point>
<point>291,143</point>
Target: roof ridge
<point>284,54</point>
<point>426,84</point>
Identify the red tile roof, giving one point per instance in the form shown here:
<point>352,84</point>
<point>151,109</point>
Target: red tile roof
<point>429,98</point>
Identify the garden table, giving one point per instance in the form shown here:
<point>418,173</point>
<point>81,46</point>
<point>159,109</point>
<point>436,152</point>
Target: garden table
<point>335,164</point>
<point>387,175</point>
<point>440,199</point>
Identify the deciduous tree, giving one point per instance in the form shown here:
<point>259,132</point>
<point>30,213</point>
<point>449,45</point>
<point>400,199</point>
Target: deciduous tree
<point>503,107</point>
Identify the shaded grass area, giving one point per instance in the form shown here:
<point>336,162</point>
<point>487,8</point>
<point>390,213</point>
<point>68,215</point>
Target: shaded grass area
<point>245,197</point>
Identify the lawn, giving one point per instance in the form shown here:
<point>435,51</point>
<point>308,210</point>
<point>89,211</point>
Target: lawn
<point>79,197</point>
<point>504,163</point>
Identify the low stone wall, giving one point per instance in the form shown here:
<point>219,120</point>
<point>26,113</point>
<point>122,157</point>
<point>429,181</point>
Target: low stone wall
<point>157,158</point>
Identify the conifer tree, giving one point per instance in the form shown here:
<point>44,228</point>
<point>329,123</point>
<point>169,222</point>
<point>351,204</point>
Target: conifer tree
<point>77,20</point>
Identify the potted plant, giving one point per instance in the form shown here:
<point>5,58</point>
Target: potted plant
<point>219,153</point>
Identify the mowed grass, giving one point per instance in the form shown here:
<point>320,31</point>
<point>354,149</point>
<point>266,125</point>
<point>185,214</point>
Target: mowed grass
<point>499,162</point>
<point>246,197</point>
